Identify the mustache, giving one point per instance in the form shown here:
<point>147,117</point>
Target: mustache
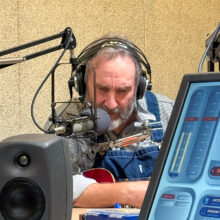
<point>122,113</point>
<point>116,110</point>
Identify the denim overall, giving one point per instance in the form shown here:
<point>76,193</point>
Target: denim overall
<point>138,164</point>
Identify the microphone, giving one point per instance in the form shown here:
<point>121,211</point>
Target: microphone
<point>85,123</point>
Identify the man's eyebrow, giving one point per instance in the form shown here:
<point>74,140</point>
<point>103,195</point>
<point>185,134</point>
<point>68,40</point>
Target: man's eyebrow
<point>100,85</point>
<point>125,88</point>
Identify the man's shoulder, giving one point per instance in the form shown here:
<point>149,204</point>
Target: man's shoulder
<point>160,98</point>
<point>165,105</point>
<point>163,98</point>
<point>148,102</point>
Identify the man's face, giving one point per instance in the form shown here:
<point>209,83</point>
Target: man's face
<point>115,87</point>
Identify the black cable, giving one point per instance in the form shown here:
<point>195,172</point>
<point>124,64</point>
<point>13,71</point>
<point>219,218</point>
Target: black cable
<point>207,48</point>
<point>60,114</point>
<point>43,82</point>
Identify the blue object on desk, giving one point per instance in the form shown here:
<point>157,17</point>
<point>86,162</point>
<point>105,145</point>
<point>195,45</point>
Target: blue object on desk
<point>111,214</point>
<point>117,205</point>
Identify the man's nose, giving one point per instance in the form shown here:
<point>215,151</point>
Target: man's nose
<point>110,102</point>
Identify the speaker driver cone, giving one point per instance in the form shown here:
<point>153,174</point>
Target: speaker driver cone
<point>22,199</point>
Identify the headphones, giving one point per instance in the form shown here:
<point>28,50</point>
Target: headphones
<point>93,48</point>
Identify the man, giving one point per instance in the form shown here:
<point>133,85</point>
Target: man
<point>117,73</point>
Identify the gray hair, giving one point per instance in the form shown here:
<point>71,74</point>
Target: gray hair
<point>111,49</point>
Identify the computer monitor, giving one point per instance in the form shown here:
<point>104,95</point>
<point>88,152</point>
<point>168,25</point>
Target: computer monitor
<point>185,183</point>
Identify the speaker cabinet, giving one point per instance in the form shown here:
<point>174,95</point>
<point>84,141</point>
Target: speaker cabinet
<point>35,178</point>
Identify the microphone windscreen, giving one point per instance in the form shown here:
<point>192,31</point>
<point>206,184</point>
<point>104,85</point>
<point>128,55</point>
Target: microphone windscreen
<point>103,120</point>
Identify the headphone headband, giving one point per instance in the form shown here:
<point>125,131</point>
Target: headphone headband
<point>114,42</point>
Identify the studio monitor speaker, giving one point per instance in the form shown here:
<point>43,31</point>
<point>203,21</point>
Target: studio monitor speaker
<point>35,178</point>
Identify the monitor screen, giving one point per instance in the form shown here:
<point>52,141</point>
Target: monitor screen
<point>185,183</point>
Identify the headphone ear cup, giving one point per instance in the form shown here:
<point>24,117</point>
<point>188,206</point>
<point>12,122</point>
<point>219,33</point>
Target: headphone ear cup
<point>141,88</point>
<point>80,85</point>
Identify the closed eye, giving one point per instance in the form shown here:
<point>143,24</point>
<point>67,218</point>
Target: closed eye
<point>120,90</point>
<point>102,88</point>
<point>124,89</point>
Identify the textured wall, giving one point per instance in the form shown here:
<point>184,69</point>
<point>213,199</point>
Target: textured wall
<point>170,32</point>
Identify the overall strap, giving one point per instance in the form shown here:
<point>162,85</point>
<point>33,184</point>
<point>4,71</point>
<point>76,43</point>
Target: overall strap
<point>155,126</point>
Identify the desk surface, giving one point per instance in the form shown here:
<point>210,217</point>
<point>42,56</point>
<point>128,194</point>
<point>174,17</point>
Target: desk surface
<point>76,212</point>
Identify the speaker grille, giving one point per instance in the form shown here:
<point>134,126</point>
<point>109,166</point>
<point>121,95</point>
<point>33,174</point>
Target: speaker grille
<point>22,199</point>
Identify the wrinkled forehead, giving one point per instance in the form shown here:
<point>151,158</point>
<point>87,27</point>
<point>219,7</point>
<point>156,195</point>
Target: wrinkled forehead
<point>104,57</point>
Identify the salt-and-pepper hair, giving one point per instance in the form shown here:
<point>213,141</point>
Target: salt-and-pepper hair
<point>110,52</point>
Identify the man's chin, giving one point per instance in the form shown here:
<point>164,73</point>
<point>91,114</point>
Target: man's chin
<point>114,116</point>
<point>115,124</point>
